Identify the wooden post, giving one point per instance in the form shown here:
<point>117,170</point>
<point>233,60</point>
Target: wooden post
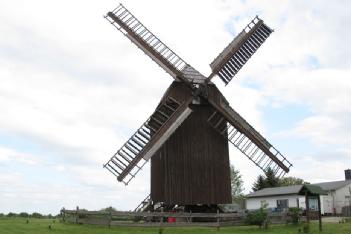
<point>161,221</point>
<point>307,208</point>
<point>319,213</point>
<point>63,213</point>
<point>218,225</point>
<point>110,218</point>
<point>77,212</point>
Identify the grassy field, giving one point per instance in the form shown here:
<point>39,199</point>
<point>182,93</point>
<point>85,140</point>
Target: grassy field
<point>41,226</point>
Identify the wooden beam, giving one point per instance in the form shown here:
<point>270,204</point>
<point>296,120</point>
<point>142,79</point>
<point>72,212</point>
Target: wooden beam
<point>154,55</point>
<point>159,137</point>
<point>319,213</point>
<point>254,137</point>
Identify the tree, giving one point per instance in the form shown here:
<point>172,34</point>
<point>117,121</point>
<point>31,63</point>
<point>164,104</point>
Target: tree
<point>108,209</point>
<point>268,180</point>
<point>259,184</point>
<point>287,181</point>
<point>271,179</point>
<point>236,182</point>
<point>23,215</point>
<point>36,215</point>
<point>11,214</point>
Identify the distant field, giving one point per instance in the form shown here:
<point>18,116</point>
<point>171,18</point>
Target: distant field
<point>41,226</point>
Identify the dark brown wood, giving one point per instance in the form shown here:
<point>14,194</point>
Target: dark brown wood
<point>152,53</point>
<point>215,65</point>
<point>155,138</point>
<point>217,102</point>
<point>319,213</point>
<point>192,167</point>
<point>307,207</point>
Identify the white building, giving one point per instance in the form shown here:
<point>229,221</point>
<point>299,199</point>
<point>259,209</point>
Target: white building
<point>338,196</point>
<point>280,198</point>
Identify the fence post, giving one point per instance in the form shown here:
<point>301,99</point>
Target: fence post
<point>110,218</point>
<point>77,214</point>
<point>160,230</point>
<point>63,214</point>
<point>161,220</point>
<point>218,225</point>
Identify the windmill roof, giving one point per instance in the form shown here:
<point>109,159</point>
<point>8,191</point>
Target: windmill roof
<point>333,185</point>
<point>193,75</point>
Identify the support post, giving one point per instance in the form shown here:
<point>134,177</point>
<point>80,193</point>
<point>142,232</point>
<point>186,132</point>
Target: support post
<point>218,225</point>
<point>63,213</point>
<point>307,208</point>
<point>161,221</point>
<point>77,214</point>
<point>319,213</point>
<point>110,217</point>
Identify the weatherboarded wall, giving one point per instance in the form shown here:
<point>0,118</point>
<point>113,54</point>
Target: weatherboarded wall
<point>192,167</point>
<point>257,202</point>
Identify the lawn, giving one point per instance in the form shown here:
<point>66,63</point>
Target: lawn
<point>41,226</point>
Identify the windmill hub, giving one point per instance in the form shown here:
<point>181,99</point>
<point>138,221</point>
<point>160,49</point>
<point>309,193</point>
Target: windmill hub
<point>188,135</point>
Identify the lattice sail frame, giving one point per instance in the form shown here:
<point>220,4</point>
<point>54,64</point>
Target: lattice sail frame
<point>228,63</point>
<point>152,46</point>
<point>142,145</point>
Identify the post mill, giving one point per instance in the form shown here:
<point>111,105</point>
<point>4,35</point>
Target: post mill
<point>187,137</point>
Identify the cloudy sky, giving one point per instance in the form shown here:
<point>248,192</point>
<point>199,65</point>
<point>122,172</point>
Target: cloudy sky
<point>73,89</point>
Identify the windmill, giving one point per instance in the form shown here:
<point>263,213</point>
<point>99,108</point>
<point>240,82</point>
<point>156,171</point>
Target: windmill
<point>188,135</point>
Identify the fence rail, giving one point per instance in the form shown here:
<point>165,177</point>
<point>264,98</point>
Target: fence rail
<point>158,219</point>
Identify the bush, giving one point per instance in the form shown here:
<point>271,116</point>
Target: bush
<point>23,215</point>
<point>11,214</point>
<point>295,215</point>
<point>36,215</point>
<point>258,217</point>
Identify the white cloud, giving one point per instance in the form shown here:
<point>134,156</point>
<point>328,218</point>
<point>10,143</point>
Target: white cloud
<point>9,155</point>
<point>76,88</point>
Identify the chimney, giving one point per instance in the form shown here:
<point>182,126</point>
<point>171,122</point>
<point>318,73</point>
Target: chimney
<point>348,174</point>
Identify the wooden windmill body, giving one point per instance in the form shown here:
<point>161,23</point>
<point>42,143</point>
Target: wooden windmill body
<point>188,135</point>
<point>192,166</point>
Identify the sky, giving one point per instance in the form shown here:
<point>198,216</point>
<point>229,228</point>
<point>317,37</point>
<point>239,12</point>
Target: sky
<point>73,89</point>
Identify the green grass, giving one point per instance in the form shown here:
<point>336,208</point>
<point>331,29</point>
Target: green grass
<point>41,226</point>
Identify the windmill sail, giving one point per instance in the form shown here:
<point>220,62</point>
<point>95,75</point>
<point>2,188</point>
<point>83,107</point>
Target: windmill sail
<point>228,63</point>
<point>133,29</point>
<point>244,137</point>
<point>133,155</point>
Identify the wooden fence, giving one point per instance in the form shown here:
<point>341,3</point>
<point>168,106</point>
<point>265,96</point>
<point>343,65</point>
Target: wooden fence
<point>161,219</point>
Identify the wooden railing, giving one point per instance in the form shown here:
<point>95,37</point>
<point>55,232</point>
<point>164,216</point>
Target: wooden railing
<point>160,219</point>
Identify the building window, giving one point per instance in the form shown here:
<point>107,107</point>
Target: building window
<point>313,203</point>
<point>282,204</point>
